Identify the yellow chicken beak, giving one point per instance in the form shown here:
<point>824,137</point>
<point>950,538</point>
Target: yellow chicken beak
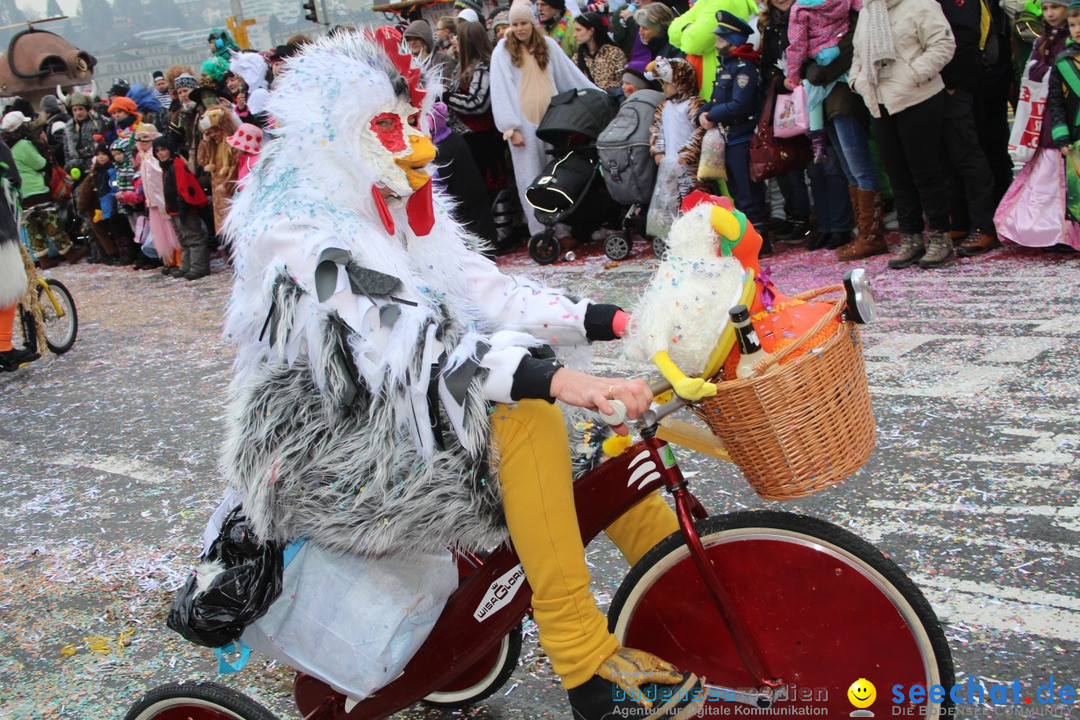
<point>421,154</point>
<point>725,223</point>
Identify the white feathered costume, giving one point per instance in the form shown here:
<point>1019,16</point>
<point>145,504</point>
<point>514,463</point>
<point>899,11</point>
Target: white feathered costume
<point>359,330</point>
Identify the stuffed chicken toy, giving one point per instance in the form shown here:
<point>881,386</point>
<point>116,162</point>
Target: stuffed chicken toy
<point>681,323</point>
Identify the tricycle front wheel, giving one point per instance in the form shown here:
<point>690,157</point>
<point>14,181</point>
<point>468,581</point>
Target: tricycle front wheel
<point>823,607</point>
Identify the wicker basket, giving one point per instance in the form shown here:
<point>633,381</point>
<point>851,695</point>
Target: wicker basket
<point>806,424</point>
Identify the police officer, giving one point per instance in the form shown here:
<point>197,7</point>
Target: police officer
<point>733,105</point>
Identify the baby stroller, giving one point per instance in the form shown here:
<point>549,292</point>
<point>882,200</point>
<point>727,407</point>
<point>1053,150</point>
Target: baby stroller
<point>629,170</point>
<point>568,184</point>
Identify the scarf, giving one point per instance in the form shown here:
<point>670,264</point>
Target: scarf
<point>876,49</point>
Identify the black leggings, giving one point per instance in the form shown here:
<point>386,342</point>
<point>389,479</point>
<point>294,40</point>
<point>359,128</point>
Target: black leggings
<point>910,147</point>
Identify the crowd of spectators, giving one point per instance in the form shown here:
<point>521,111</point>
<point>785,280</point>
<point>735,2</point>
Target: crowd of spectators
<point>907,106</point>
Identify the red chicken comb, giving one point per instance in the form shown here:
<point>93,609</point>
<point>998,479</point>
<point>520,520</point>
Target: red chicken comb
<point>391,42</point>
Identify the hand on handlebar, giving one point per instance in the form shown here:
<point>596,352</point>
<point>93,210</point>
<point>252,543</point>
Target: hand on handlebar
<point>595,393</point>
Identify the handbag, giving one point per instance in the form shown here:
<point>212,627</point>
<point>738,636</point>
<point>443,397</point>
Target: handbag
<point>771,156</point>
<point>791,117</point>
<point>1030,110</point>
<point>711,164</point>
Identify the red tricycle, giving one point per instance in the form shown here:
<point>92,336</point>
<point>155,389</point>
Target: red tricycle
<point>779,613</point>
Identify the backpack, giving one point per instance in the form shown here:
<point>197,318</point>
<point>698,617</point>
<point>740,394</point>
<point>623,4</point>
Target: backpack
<point>623,147</point>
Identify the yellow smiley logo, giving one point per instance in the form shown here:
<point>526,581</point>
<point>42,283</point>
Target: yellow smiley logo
<point>862,693</point>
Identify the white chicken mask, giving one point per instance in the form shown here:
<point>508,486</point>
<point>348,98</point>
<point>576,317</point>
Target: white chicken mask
<point>350,114</point>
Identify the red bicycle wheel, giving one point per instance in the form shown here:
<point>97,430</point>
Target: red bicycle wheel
<point>823,607</point>
<point>196,701</point>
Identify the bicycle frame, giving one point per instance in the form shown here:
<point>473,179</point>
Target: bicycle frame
<point>495,595</point>
<point>52,298</point>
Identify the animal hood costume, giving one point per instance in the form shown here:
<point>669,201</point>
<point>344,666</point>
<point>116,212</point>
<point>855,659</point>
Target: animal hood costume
<point>372,337</point>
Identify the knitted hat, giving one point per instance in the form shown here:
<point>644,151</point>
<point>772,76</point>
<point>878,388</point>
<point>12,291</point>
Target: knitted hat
<point>246,139</point>
<point>101,148</point>
<point>158,75</point>
<point>165,142</point>
<point>732,28</point>
<point>120,145</point>
<point>559,5</point>
<point>501,10</point>
<point>13,121</point>
<point>125,104</point>
<point>186,81</point>
<point>500,22</point>
<point>120,88</point>
<point>475,5</point>
<point>656,17</point>
<point>468,15</point>
<point>1066,3</point>
<point>635,79</point>
<point>521,11</point>
<point>50,104</point>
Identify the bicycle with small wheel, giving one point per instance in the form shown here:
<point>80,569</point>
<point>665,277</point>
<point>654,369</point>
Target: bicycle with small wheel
<point>47,313</point>
<point>779,613</point>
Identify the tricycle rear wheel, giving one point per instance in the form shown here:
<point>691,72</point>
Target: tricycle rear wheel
<point>196,701</point>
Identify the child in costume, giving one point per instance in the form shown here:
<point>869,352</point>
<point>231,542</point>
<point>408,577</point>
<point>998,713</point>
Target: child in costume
<point>247,142</point>
<point>219,159</point>
<point>674,130</point>
<point>814,31</point>
<point>183,200</point>
<point>103,176</point>
<point>152,181</point>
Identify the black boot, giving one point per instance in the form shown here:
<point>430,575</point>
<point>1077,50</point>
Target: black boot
<point>15,358</point>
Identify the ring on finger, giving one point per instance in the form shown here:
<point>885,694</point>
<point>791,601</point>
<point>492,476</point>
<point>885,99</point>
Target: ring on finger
<point>611,392</point>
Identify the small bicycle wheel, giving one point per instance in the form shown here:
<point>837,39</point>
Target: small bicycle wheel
<point>617,246</point>
<point>544,247</point>
<point>60,327</point>
<point>196,701</point>
<point>823,607</point>
<point>483,679</point>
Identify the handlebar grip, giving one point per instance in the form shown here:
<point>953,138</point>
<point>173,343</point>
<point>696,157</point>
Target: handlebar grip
<point>616,418</point>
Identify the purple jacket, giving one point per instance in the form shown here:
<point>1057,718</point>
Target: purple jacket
<point>814,27</point>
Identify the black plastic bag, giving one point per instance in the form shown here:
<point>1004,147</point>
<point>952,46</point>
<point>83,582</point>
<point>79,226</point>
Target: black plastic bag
<point>248,582</point>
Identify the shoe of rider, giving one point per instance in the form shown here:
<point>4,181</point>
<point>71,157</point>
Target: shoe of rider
<point>15,358</point>
<point>634,684</point>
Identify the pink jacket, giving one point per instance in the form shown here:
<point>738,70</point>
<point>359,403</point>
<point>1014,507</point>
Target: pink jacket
<point>812,28</point>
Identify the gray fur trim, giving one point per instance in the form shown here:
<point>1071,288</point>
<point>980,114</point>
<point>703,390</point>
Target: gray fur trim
<point>347,475</point>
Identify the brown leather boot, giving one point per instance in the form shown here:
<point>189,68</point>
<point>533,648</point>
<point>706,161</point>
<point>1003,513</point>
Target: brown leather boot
<point>871,238</point>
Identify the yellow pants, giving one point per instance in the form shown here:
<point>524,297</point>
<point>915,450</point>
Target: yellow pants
<point>538,499</point>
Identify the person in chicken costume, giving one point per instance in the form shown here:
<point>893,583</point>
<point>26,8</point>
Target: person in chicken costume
<point>393,390</point>
<point>681,322</point>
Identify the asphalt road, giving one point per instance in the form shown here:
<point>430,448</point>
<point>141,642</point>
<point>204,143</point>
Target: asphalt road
<point>107,476</point>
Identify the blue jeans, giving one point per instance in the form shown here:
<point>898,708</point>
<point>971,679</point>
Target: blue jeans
<point>829,186</point>
<point>849,138</point>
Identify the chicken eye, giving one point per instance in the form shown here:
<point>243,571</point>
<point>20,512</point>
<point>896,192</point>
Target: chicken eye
<point>414,119</point>
<point>385,124</point>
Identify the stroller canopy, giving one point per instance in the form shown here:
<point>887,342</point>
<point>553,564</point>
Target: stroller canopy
<point>582,112</point>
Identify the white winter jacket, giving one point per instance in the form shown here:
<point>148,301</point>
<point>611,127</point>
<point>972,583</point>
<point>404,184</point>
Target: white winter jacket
<point>924,45</point>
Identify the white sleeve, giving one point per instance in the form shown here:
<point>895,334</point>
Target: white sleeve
<point>518,304</point>
<point>505,100</point>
